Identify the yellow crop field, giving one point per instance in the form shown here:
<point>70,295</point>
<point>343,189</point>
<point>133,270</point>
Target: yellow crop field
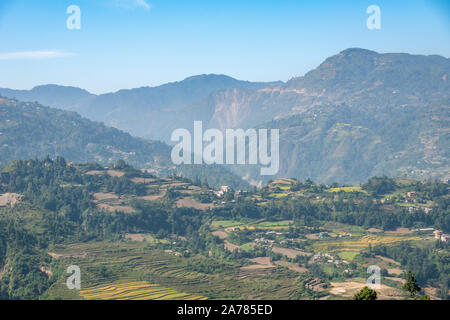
<point>139,290</point>
<point>257,227</point>
<point>359,243</point>
<point>279,195</point>
<point>347,189</point>
<point>244,227</point>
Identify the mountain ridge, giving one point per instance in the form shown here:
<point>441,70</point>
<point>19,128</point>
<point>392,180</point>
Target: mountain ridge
<point>29,130</point>
<point>400,99</point>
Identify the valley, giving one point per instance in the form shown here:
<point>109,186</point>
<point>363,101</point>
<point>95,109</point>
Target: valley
<point>137,236</point>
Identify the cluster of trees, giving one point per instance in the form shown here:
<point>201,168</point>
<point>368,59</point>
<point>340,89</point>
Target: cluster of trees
<point>58,187</point>
<point>365,294</point>
<point>410,287</point>
<point>427,264</point>
<point>19,262</point>
<point>360,212</point>
<point>379,185</point>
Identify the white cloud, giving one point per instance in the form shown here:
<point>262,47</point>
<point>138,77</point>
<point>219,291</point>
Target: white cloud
<point>34,55</point>
<point>131,4</point>
<point>143,3</point>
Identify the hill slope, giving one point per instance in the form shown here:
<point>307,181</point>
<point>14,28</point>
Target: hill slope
<point>146,111</point>
<point>67,98</point>
<point>342,144</point>
<point>359,114</point>
<point>30,130</point>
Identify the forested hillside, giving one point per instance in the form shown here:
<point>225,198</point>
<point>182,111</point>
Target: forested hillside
<point>50,210</point>
<point>29,130</point>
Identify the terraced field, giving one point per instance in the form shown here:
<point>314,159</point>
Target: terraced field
<point>359,243</point>
<point>280,225</point>
<point>109,270</point>
<point>138,290</point>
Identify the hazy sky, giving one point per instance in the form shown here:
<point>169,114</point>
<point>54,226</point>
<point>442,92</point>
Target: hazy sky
<point>133,43</point>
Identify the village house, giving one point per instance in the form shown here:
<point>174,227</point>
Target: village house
<point>411,194</point>
<point>439,235</point>
<point>347,235</point>
<point>222,191</point>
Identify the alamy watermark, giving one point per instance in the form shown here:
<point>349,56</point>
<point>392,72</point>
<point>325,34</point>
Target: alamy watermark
<point>73,22</point>
<point>374,281</point>
<point>74,280</point>
<point>374,20</point>
<point>237,147</point>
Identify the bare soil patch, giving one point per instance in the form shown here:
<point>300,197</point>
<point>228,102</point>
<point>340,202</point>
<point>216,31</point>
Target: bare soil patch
<point>68,255</point>
<point>9,199</point>
<point>400,231</point>
<point>431,292</point>
<point>261,263</point>
<point>182,238</point>
<point>173,185</point>
<point>143,180</point>
<point>191,203</point>
<point>396,271</point>
<point>135,237</point>
<point>230,246</point>
<point>401,280</point>
<point>374,230</point>
<point>115,173</point>
<point>263,266</point>
<point>313,236</point>
<point>262,260</point>
<point>388,260</point>
<point>220,234</point>
<point>290,253</point>
<point>152,197</point>
<point>99,196</point>
<point>112,208</point>
<point>95,172</point>
<point>349,288</point>
<point>283,181</point>
<point>291,266</point>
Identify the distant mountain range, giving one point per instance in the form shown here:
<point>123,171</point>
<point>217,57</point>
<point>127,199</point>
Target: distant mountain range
<point>66,98</point>
<point>358,114</point>
<point>145,112</point>
<point>29,130</point>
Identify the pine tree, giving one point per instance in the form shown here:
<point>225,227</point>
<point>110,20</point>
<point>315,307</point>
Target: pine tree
<point>366,294</point>
<point>411,285</point>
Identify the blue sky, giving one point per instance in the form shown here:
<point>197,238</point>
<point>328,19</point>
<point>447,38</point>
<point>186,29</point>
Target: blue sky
<point>133,43</point>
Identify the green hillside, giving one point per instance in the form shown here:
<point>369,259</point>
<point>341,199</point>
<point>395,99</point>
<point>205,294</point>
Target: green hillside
<point>30,130</point>
<point>135,235</point>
